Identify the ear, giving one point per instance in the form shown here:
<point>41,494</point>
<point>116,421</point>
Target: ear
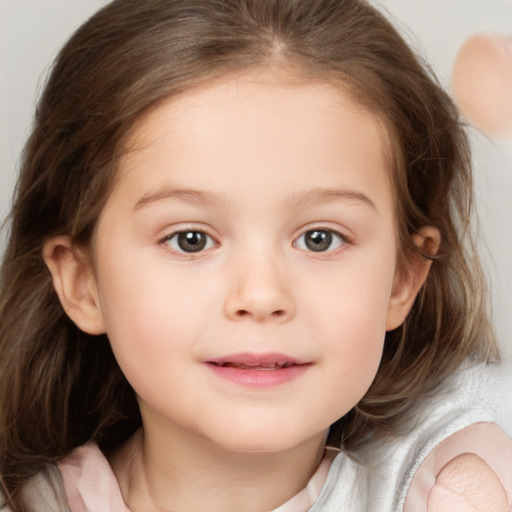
<point>409,280</point>
<point>74,282</point>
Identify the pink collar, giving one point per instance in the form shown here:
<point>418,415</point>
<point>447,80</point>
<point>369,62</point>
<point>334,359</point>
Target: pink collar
<point>90,484</point>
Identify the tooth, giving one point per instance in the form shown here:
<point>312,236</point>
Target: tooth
<point>263,366</point>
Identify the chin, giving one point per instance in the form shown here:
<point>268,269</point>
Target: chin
<point>267,440</point>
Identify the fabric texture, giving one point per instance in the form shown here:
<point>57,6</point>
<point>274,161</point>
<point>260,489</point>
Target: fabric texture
<point>382,476</point>
<point>466,417</point>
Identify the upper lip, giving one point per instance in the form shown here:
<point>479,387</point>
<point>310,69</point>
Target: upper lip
<point>255,360</point>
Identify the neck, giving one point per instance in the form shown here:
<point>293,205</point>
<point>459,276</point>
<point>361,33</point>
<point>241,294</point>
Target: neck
<point>158,474</point>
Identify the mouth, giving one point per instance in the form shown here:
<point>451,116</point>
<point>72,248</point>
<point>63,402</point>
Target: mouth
<point>257,361</point>
<point>258,370</point>
<point>242,366</point>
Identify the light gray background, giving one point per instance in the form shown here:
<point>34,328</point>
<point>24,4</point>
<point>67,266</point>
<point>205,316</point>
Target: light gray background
<point>31,31</point>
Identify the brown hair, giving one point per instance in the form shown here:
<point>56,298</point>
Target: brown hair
<point>60,387</point>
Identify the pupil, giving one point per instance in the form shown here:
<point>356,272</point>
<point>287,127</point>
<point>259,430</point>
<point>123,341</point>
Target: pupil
<point>318,241</point>
<point>191,241</point>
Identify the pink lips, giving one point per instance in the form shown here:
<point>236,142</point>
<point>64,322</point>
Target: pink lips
<point>258,370</point>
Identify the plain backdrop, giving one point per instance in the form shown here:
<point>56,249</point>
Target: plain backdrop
<point>31,32</point>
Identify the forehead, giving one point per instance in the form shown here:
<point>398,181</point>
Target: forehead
<point>256,125</point>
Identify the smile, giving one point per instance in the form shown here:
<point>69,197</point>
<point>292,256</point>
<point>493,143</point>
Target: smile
<point>258,370</point>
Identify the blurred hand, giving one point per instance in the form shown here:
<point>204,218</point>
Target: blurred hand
<point>467,484</point>
<point>482,83</point>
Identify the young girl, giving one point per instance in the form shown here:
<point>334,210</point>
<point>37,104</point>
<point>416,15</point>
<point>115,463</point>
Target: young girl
<point>240,274</point>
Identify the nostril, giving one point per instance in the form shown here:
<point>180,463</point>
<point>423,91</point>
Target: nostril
<point>278,313</point>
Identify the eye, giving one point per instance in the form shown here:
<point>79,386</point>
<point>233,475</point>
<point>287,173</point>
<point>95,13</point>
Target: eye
<point>320,240</point>
<point>189,241</point>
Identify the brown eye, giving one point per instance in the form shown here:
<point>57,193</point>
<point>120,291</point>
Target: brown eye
<point>320,240</point>
<point>189,241</point>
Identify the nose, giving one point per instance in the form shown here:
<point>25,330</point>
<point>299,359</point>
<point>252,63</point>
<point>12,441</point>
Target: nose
<point>259,290</point>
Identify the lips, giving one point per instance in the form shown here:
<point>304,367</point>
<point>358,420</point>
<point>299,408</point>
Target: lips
<point>257,361</point>
<point>258,370</point>
<point>268,366</point>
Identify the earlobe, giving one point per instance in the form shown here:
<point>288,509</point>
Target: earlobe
<point>74,283</point>
<point>409,280</point>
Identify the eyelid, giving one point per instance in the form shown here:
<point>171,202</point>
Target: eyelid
<point>187,228</point>
<point>346,240</point>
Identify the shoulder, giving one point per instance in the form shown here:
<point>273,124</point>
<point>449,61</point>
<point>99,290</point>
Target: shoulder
<point>43,491</point>
<point>471,471</point>
<point>467,483</point>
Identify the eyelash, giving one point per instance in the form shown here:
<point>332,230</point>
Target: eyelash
<point>328,237</point>
<point>209,242</point>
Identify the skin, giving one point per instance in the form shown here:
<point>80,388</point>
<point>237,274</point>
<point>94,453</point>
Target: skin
<point>467,484</point>
<point>196,164</point>
<point>482,83</point>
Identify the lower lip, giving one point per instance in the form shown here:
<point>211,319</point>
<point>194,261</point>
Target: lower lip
<point>259,378</point>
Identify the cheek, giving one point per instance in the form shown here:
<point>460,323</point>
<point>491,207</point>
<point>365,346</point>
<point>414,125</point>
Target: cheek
<point>355,349</point>
<point>352,303</point>
<point>145,294</point>
<point>150,316</point>
<point>354,364</point>
<point>351,323</point>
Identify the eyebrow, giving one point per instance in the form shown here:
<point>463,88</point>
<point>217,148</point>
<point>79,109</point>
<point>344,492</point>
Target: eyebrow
<point>321,195</point>
<point>181,194</point>
<point>194,196</point>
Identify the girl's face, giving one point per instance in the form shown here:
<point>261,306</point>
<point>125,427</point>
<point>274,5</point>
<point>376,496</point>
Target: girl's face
<point>245,263</point>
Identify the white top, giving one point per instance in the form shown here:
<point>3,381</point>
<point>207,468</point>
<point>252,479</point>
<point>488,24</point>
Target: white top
<point>381,481</point>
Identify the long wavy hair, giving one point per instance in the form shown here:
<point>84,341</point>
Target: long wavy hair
<point>60,387</point>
